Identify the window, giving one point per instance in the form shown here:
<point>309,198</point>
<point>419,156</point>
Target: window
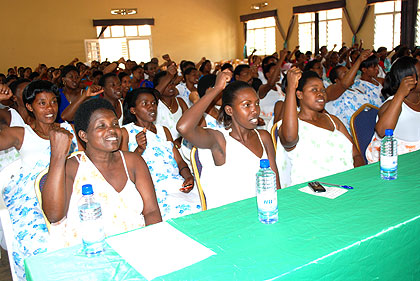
<point>130,41</point>
<point>417,43</point>
<point>387,24</point>
<point>329,25</point>
<point>261,36</point>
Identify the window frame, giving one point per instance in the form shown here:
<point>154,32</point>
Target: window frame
<point>393,13</point>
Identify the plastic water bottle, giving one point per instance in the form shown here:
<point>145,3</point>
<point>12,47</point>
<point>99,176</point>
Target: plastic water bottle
<point>389,156</point>
<point>92,227</point>
<point>267,194</point>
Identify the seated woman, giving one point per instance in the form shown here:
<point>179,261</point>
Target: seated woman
<point>170,174</point>
<point>33,142</point>
<point>401,110</point>
<point>369,83</point>
<point>230,156</point>
<point>314,144</point>
<point>121,181</point>
<point>191,76</point>
<point>342,99</point>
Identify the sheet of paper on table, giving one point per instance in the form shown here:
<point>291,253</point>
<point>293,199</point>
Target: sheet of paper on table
<point>158,249</point>
<point>330,191</point>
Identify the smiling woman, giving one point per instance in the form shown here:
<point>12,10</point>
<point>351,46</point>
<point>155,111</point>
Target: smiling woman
<point>121,181</point>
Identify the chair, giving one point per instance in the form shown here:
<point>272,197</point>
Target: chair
<point>275,134</point>
<point>197,168</point>
<point>39,183</point>
<point>362,124</point>
<point>5,176</point>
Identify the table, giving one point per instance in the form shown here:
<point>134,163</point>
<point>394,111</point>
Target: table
<point>371,232</point>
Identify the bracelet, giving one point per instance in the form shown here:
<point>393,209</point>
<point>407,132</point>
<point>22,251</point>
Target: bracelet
<point>186,167</point>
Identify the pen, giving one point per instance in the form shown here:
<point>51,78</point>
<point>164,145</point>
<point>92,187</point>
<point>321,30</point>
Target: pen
<point>331,184</point>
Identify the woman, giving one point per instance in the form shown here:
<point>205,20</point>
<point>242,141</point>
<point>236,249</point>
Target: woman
<point>314,144</point>
<point>120,180</point>
<point>113,93</point>
<point>41,99</point>
<point>171,176</point>
<point>205,68</point>
<point>70,90</point>
<point>125,83</point>
<point>369,83</point>
<point>401,110</point>
<point>191,76</point>
<point>230,156</point>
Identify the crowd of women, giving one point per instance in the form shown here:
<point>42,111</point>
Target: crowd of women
<point>128,130</point>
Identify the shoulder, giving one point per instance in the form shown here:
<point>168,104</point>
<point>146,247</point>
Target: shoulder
<point>182,103</point>
<point>167,133</point>
<point>265,136</point>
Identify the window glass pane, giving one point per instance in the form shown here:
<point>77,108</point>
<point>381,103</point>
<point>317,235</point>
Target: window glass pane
<point>334,14</point>
<point>98,30</point>
<point>322,15</point>
<point>418,28</point>
<point>131,30</point>
<point>145,30</point>
<point>111,49</point>
<point>139,50</point>
<point>383,25</point>
<point>307,17</point>
<point>398,6</point>
<point>306,37</point>
<point>270,21</point>
<point>384,7</point>
<point>117,31</point>
<point>323,34</point>
<point>107,32</point>
<point>334,34</point>
<point>270,40</point>
<point>397,30</point>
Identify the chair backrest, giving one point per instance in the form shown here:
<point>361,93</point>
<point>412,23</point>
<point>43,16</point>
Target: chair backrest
<point>5,176</point>
<point>275,134</point>
<point>39,183</point>
<point>197,168</point>
<point>362,124</point>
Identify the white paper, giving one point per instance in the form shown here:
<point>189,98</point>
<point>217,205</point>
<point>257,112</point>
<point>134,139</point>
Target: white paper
<point>158,249</point>
<point>330,191</point>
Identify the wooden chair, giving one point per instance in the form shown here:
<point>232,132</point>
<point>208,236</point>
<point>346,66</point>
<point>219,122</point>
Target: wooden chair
<point>362,125</point>
<point>197,168</point>
<point>275,134</point>
<point>39,183</point>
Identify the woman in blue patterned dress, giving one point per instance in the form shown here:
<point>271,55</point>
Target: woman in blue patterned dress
<point>171,176</point>
<point>41,99</point>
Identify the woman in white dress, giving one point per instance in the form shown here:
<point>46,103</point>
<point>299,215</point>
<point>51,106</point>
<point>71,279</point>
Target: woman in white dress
<point>314,144</point>
<point>230,156</point>
<point>171,176</point>
<point>33,143</point>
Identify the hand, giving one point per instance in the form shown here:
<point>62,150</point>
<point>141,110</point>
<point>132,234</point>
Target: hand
<point>141,140</point>
<point>5,92</point>
<point>172,70</point>
<point>188,185</point>
<point>56,74</point>
<point>217,67</point>
<point>121,60</point>
<point>60,140</point>
<point>84,73</point>
<point>203,59</point>
<point>283,53</point>
<point>93,90</point>
<point>335,45</point>
<point>364,55</point>
<point>261,121</point>
<point>407,84</point>
<point>222,78</point>
<point>293,76</point>
<point>166,57</point>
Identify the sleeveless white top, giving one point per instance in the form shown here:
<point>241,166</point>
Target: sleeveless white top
<point>121,211</point>
<point>233,181</point>
<point>168,119</point>
<point>318,153</point>
<point>9,155</point>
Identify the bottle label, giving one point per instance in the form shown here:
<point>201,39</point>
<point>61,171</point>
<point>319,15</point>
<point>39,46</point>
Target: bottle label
<point>389,163</point>
<point>267,200</point>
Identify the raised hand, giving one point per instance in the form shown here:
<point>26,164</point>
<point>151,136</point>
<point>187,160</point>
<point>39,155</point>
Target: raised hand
<point>93,90</point>
<point>60,140</point>
<point>121,60</point>
<point>166,57</point>
<point>293,76</point>
<point>141,140</point>
<point>365,54</point>
<point>56,74</point>
<point>222,78</point>
<point>5,92</point>
<point>407,84</point>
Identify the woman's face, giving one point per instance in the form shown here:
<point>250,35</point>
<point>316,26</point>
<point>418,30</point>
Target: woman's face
<point>125,85</point>
<point>245,76</point>
<point>341,72</point>
<point>317,68</point>
<point>207,67</point>
<point>146,108</point>
<point>371,71</point>
<point>313,95</point>
<point>44,107</point>
<point>70,80</point>
<point>112,88</point>
<point>138,73</point>
<point>27,73</point>
<point>103,132</point>
<point>245,108</point>
<point>170,90</point>
<point>193,76</point>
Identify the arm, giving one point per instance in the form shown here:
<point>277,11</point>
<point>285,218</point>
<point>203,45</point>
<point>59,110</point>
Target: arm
<point>203,59</point>
<point>11,137</point>
<point>58,187</point>
<point>164,82</point>
<point>5,116</point>
<point>335,90</point>
<point>144,185</point>
<point>357,157</point>
<point>271,154</point>
<point>390,111</point>
<point>288,131</point>
<point>278,111</point>
<point>70,111</point>
<point>112,66</point>
<point>288,57</point>
<point>264,89</point>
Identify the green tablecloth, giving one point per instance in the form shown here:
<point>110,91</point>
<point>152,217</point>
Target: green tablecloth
<point>371,232</point>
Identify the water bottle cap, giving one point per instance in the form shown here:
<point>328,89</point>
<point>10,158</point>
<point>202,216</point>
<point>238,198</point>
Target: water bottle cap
<point>389,132</point>
<point>87,189</point>
<point>264,163</point>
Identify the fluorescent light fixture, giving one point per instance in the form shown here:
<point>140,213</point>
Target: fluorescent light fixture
<point>258,6</point>
<point>124,11</point>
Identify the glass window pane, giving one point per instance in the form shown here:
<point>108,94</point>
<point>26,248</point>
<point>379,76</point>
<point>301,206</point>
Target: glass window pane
<point>383,24</point>
<point>334,33</point>
<point>270,21</point>
<point>397,30</point>
<point>270,40</point>
<point>398,6</point>
<point>384,7</point>
<point>131,30</point>
<point>145,30</point>
<point>334,14</point>
<point>107,32</point>
<point>139,50</point>
<point>306,37</point>
<point>117,31</point>
<point>322,15</point>
<point>418,28</point>
<point>323,34</point>
<point>98,30</point>
<point>307,17</point>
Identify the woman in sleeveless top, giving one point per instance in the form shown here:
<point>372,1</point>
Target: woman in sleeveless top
<point>401,111</point>
<point>231,156</point>
<point>120,179</point>
<point>171,176</point>
<point>33,144</point>
<point>313,143</point>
